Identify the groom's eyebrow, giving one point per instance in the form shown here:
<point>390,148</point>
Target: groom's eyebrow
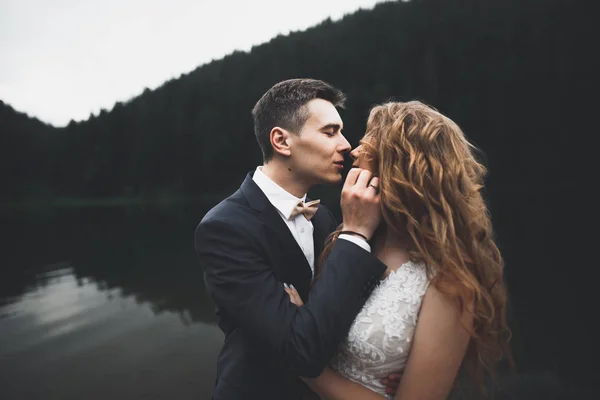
<point>335,127</point>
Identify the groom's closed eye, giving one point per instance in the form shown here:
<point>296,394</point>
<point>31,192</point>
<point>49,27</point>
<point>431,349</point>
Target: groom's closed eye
<point>331,129</point>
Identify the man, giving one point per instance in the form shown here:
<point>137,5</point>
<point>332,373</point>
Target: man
<point>267,234</point>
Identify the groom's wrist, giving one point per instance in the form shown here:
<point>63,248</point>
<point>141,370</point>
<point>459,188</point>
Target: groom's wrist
<point>359,241</point>
<point>357,230</point>
<point>354,233</point>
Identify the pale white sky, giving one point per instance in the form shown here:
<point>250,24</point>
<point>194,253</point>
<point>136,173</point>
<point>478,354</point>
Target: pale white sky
<point>62,59</point>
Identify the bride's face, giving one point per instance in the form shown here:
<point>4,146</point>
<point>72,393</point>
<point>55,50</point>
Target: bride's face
<point>362,159</point>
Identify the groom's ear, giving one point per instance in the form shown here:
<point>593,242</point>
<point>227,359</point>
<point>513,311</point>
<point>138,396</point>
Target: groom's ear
<point>280,141</point>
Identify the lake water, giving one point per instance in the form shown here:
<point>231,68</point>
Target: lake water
<point>110,303</point>
<point>104,303</point>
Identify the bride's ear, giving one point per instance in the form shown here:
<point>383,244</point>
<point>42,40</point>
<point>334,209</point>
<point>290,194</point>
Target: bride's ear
<point>280,141</point>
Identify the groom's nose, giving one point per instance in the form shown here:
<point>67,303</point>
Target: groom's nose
<point>344,146</point>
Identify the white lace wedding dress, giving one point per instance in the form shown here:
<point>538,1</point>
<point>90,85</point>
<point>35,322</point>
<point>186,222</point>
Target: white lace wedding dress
<point>380,338</point>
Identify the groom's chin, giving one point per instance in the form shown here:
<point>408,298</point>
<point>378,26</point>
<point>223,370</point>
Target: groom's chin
<point>335,180</point>
<point>332,178</point>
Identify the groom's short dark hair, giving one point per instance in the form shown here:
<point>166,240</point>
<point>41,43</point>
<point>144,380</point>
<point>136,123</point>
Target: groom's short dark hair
<point>284,105</point>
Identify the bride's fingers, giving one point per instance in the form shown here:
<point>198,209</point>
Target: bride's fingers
<point>297,299</point>
<point>290,293</point>
<point>294,296</point>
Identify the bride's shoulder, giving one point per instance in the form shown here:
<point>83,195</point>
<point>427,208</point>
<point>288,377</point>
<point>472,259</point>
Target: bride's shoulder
<point>410,275</point>
<point>412,268</point>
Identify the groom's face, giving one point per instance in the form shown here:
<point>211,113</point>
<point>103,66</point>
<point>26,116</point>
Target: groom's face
<point>317,152</point>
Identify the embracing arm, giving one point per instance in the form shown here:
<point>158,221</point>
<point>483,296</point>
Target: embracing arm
<point>332,386</point>
<point>242,283</point>
<point>439,347</point>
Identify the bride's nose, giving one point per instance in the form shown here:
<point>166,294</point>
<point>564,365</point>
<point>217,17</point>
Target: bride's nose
<point>354,153</point>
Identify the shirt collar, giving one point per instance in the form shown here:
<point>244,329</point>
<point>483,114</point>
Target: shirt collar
<point>282,200</point>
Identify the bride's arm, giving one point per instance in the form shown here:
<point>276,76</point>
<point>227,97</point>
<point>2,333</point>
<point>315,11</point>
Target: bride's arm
<point>332,386</point>
<point>439,346</point>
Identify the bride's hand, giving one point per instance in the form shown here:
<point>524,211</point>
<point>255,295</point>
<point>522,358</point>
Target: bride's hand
<point>294,296</point>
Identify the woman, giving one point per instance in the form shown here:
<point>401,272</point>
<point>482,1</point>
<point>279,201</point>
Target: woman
<point>442,300</point>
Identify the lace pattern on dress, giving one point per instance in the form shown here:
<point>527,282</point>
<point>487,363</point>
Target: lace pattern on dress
<point>380,339</point>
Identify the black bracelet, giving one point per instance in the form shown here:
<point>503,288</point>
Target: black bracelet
<point>355,233</point>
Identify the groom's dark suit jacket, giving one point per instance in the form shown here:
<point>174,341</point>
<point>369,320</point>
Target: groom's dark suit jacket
<point>247,252</point>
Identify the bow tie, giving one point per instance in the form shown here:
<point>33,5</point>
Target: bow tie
<point>307,209</point>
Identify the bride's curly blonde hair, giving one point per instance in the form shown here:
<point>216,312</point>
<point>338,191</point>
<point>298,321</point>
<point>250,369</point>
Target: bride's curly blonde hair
<point>431,188</point>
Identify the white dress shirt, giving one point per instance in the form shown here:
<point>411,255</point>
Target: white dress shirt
<point>301,228</point>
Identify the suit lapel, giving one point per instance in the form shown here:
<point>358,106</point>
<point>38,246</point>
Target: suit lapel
<point>297,270</point>
<point>321,226</point>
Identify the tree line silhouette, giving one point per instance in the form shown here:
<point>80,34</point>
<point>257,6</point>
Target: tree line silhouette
<point>505,70</point>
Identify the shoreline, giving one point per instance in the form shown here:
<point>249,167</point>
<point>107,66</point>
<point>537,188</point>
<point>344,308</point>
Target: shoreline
<point>78,202</point>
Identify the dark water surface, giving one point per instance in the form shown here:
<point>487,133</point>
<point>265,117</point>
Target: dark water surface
<point>104,303</point>
<point>110,303</point>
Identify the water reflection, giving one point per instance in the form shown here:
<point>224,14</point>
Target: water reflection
<point>105,302</point>
<point>58,308</point>
<point>143,254</point>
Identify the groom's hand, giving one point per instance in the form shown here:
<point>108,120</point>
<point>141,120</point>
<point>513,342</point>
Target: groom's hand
<point>391,383</point>
<point>360,202</point>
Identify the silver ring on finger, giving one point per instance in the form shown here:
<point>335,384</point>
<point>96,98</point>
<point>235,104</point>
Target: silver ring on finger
<point>375,187</point>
